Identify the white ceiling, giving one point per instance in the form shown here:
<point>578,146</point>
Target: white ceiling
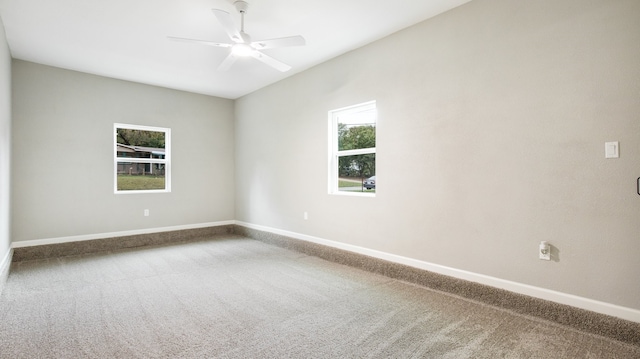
<point>127,39</point>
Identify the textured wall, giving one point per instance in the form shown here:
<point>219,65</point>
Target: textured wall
<point>63,154</point>
<point>491,131</point>
<point>5,147</point>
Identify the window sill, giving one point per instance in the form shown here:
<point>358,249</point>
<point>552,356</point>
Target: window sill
<point>354,194</point>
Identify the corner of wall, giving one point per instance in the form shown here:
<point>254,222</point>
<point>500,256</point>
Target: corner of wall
<point>5,156</point>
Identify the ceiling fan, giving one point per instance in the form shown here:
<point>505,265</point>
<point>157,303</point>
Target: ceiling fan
<point>242,45</point>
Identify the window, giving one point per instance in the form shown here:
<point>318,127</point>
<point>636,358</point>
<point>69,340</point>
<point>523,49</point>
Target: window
<point>142,159</point>
<point>352,150</point>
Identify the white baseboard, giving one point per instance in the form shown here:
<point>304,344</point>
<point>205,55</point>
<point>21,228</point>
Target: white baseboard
<point>532,291</point>
<point>88,237</point>
<point>5,265</point>
<point>6,261</point>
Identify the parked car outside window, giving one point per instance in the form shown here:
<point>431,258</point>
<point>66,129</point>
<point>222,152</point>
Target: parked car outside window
<point>370,183</point>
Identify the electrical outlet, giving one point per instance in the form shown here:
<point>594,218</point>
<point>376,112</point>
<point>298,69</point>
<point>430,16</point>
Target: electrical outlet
<point>306,215</point>
<point>544,251</point>
<point>146,213</point>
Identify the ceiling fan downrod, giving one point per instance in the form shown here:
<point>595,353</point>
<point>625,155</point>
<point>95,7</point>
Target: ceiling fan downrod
<point>242,7</point>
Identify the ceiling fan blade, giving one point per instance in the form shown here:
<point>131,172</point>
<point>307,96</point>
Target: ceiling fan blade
<point>227,23</point>
<point>279,42</point>
<point>228,61</point>
<point>280,66</point>
<point>202,42</point>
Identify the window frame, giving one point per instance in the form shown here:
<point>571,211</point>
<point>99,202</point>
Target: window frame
<point>335,154</point>
<point>166,161</point>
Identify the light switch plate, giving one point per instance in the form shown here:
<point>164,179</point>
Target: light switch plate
<point>612,149</point>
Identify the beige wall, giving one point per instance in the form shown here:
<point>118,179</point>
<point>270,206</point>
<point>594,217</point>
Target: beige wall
<point>63,155</point>
<point>491,131</point>
<point>5,147</point>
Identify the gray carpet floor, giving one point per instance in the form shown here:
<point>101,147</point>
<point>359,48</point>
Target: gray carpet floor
<point>233,297</point>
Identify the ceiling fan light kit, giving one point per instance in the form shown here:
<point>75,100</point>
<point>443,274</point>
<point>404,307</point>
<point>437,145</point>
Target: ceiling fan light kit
<point>242,45</point>
<point>242,50</point>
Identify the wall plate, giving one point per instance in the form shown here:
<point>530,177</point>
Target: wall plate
<point>612,149</point>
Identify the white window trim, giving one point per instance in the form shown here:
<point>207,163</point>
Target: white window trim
<point>166,160</point>
<point>334,154</point>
